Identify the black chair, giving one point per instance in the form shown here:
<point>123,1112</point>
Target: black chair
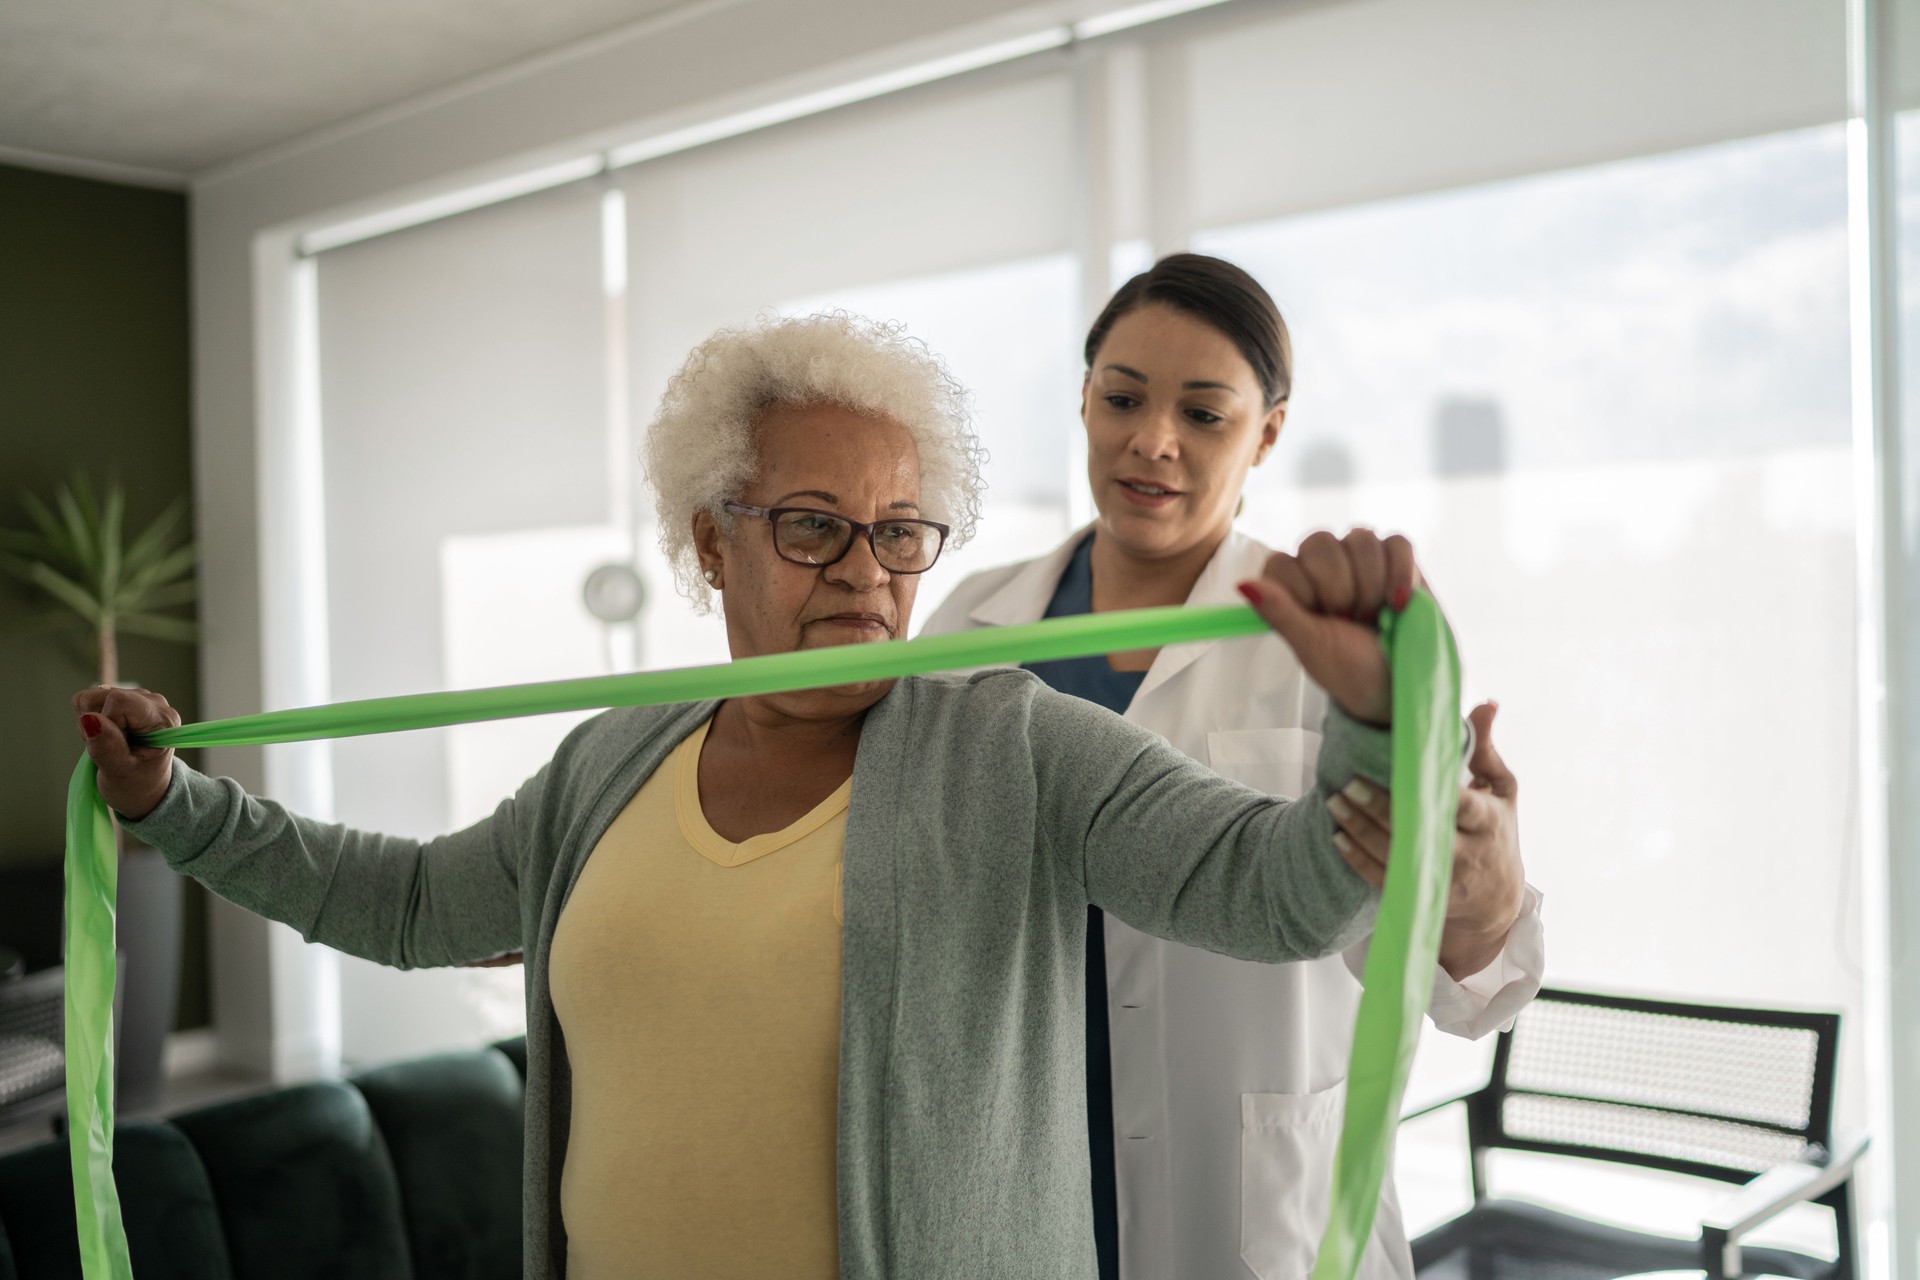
<point>33,1056</point>
<point>405,1172</point>
<point>1737,1095</point>
<point>33,1046</point>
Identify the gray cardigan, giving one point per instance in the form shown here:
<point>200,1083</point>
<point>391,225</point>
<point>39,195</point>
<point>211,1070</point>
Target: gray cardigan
<point>986,812</point>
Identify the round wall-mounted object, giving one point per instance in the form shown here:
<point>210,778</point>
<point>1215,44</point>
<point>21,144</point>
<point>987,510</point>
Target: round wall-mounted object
<point>614,593</point>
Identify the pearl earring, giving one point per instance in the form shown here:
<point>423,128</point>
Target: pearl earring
<point>711,575</point>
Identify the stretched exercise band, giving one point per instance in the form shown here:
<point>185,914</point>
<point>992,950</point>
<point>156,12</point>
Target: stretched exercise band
<point>1399,971</point>
<point>1406,933</point>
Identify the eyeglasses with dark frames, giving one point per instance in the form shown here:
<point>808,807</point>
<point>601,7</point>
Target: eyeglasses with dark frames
<point>817,539</point>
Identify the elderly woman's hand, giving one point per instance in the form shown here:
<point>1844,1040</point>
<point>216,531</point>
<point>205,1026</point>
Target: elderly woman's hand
<point>133,780</point>
<point>1324,601</point>
<point>1489,879</point>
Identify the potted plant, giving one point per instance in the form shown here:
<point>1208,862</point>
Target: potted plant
<point>79,557</point>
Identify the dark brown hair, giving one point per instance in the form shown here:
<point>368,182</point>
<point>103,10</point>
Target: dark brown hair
<point>1221,294</point>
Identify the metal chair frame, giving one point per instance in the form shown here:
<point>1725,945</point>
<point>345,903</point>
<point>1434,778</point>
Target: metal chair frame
<point>1822,1175</point>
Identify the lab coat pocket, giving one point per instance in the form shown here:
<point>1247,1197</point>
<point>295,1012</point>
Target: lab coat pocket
<point>1277,761</point>
<point>1286,1165</point>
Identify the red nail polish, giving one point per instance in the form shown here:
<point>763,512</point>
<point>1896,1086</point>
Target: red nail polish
<point>90,725</point>
<point>1251,592</point>
<point>1400,597</point>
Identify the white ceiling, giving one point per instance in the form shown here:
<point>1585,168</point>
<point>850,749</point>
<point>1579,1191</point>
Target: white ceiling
<point>178,86</point>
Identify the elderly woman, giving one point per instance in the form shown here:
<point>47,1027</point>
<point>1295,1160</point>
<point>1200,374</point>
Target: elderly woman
<point>804,970</point>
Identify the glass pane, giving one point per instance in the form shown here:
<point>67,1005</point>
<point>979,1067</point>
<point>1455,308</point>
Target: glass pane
<point>1612,408</point>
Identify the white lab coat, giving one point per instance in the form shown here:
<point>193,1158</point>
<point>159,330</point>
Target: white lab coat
<point>1229,1076</point>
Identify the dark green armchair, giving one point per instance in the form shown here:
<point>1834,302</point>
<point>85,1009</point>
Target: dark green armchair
<point>406,1172</point>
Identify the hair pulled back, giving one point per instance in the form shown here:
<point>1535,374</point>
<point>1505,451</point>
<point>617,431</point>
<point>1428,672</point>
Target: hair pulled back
<point>1215,291</point>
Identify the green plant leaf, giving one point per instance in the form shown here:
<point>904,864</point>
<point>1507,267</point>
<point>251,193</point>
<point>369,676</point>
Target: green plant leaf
<point>39,513</point>
<point>52,529</point>
<point>168,568</point>
<point>68,592</point>
<point>110,522</point>
<point>82,535</point>
<point>162,597</point>
<point>20,542</point>
<point>20,567</point>
<point>82,488</point>
<point>160,628</point>
<point>154,538</point>
<point>75,554</point>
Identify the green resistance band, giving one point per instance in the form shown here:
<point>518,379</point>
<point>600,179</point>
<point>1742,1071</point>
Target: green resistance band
<point>1406,942</point>
<point>1406,933</point>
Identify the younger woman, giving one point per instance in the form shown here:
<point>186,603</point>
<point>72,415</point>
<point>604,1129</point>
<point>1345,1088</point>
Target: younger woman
<point>1215,1086</point>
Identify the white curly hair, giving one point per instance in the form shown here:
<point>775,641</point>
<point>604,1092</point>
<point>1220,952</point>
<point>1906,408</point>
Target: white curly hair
<point>700,450</point>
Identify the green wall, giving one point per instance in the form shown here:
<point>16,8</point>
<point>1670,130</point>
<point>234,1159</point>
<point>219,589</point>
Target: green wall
<point>93,374</point>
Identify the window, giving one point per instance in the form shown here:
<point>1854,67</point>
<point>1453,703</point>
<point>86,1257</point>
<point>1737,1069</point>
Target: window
<point>1611,407</point>
<point>1568,292</point>
<point>1567,287</point>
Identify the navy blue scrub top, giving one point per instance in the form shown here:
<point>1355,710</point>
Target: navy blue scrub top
<point>1094,680</point>
<point>1089,678</point>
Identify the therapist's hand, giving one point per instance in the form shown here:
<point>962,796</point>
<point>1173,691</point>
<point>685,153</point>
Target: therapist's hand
<point>1324,602</point>
<point>133,780</point>
<point>1489,879</point>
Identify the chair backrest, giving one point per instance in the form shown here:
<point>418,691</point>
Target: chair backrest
<point>33,1059</point>
<point>405,1172</point>
<point>1710,1090</point>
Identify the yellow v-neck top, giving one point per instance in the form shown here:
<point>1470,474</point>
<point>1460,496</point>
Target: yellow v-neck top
<point>697,983</point>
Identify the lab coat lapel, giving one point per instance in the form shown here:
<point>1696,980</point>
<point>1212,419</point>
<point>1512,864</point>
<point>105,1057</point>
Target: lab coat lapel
<point>1026,595</point>
<point>1237,559</point>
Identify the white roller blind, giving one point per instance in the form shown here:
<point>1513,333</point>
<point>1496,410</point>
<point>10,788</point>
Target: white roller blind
<point>462,413</point>
<point>931,183</point>
<point>1339,104</point>
<point>950,211</point>
<point>1569,292</point>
